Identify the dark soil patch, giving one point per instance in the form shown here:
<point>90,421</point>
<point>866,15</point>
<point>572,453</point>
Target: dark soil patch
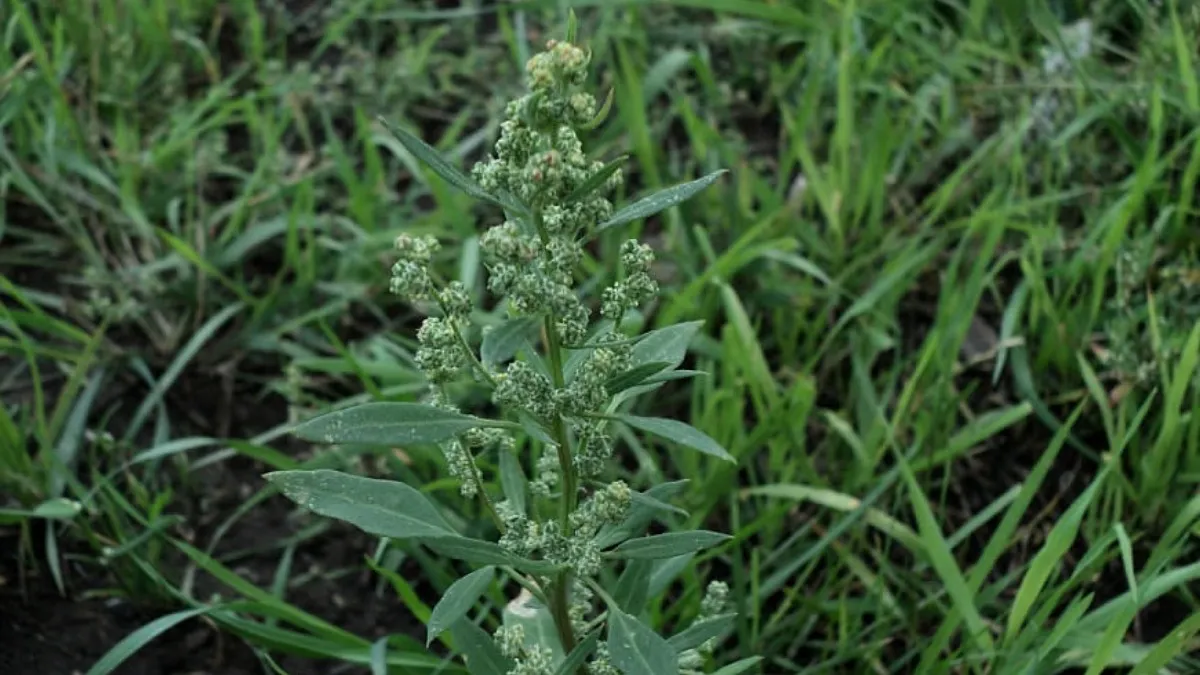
<point>42,631</point>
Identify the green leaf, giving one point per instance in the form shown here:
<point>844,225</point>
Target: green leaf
<point>674,375</point>
<point>653,503</point>
<point>679,432</point>
<point>486,553</point>
<point>659,201</point>
<point>458,600</point>
<point>579,655</point>
<point>534,428</point>
<point>572,26</point>
<point>668,345</point>
<point>739,667</point>
<point>640,514</point>
<point>667,571</point>
<point>669,545</point>
<point>1174,645</point>
<point>537,624</point>
<point>483,657</point>
<point>383,508</point>
<point>632,586</point>
<point>578,355</point>
<point>601,114</point>
<point>634,376</point>
<point>57,508</point>
<point>502,342</point>
<point>440,165</point>
<point>701,632</point>
<point>636,649</point>
<point>387,423</point>
<point>595,180</point>
<point>135,641</point>
<point>512,480</point>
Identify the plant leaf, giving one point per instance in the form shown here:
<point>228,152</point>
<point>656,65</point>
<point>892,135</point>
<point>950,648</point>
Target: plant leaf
<point>483,657</point>
<point>651,502</point>
<point>440,164</point>
<point>536,622</point>
<point>383,508</point>
<point>668,345</point>
<point>739,667</point>
<point>636,649</point>
<point>387,423</point>
<point>674,375</point>
<point>458,600</point>
<point>630,592</point>
<point>674,430</point>
<point>669,545</point>
<point>659,201</point>
<point>601,114</point>
<point>595,180</point>
<point>502,342</point>
<point>486,553</point>
<point>701,631</point>
<point>512,480</point>
<point>667,571</point>
<point>634,376</point>
<point>577,657</point>
<point>640,514</point>
<point>534,428</point>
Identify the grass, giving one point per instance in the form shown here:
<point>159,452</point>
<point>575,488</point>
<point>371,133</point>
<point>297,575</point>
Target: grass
<point>965,429</point>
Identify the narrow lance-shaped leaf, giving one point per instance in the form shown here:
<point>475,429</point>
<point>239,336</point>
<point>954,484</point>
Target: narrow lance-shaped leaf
<point>634,376</point>
<point>648,500</point>
<point>701,631</point>
<point>669,545</point>
<point>578,656</point>
<point>630,593</point>
<point>458,600</point>
<point>502,342</point>
<point>595,180</point>
<point>601,114</point>
<point>679,432</point>
<point>667,571</point>
<point>668,344</point>
<point>383,508</point>
<point>486,553</point>
<point>640,514</point>
<point>636,649</point>
<point>440,165</point>
<point>513,480</point>
<point>739,667</point>
<point>537,624</point>
<point>388,423</point>
<point>659,201</point>
<point>482,655</point>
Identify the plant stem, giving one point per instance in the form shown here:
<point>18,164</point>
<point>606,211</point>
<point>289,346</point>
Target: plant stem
<point>560,610</point>
<point>478,476</point>
<point>559,599</point>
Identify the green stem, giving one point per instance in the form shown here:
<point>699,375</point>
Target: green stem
<point>559,599</point>
<point>478,476</point>
<point>560,610</point>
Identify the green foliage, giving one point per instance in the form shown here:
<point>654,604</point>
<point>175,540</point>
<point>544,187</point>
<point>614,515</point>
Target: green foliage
<point>554,197</point>
<point>941,310</point>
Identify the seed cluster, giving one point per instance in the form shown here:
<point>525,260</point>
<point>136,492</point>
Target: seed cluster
<point>556,199</point>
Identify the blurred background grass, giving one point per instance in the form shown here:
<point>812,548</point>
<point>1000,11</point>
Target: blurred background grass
<point>951,294</point>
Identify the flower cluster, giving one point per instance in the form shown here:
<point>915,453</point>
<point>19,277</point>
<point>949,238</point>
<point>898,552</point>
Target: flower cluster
<point>539,160</point>
<point>716,599</point>
<point>555,199</point>
<point>1143,273</point>
<point>1051,108</point>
